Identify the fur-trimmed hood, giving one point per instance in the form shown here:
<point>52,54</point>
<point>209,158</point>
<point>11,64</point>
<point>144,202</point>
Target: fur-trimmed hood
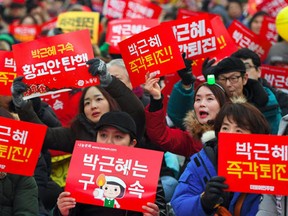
<point>203,132</point>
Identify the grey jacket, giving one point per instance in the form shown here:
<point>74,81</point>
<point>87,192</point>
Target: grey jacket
<point>273,205</point>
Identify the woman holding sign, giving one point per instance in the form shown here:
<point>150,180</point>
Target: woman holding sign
<point>111,95</point>
<point>113,128</point>
<point>18,194</point>
<point>200,191</point>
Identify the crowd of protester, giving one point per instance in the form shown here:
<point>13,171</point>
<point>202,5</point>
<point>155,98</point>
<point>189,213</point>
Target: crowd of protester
<point>238,100</point>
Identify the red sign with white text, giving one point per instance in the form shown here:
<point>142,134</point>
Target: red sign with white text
<point>7,72</point>
<point>133,171</point>
<point>55,62</point>
<point>272,7</point>
<point>268,28</point>
<point>245,38</point>
<point>121,29</point>
<point>114,8</point>
<point>154,50</point>
<point>141,9</point>
<point>254,163</point>
<point>24,33</point>
<point>276,76</point>
<point>202,36</point>
<point>20,146</point>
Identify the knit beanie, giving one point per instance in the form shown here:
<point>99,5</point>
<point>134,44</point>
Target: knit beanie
<point>229,64</point>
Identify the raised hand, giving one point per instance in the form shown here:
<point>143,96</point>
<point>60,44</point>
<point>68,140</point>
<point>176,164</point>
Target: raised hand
<point>17,89</point>
<point>97,67</point>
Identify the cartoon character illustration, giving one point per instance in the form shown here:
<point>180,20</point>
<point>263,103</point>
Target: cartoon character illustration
<point>110,188</point>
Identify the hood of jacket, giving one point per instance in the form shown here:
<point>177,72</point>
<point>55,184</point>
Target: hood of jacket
<point>202,132</point>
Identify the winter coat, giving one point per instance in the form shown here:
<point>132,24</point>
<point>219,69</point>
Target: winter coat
<point>63,139</point>
<point>18,195</point>
<point>169,139</point>
<point>201,168</point>
<point>274,205</point>
<point>180,102</point>
<point>264,99</point>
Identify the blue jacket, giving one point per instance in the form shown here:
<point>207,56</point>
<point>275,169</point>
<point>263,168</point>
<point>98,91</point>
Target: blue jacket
<point>186,198</point>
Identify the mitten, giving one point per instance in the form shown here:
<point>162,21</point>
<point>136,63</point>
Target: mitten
<point>207,67</point>
<point>18,88</point>
<point>98,67</point>
<point>213,194</point>
<point>185,74</point>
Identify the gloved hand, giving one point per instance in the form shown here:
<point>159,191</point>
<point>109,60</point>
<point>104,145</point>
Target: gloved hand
<point>207,67</point>
<point>213,194</point>
<point>98,67</point>
<point>185,74</point>
<point>18,88</point>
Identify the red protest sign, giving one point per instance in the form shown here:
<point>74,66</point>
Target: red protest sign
<point>272,7</point>
<point>268,28</point>
<point>7,72</point>
<point>121,29</point>
<point>94,166</point>
<point>154,50</point>
<point>245,38</point>
<point>141,9</point>
<point>24,33</point>
<point>55,63</point>
<point>114,9</point>
<point>276,76</point>
<point>254,163</point>
<point>20,145</point>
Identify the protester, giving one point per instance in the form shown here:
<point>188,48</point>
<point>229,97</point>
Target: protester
<point>19,194</point>
<point>231,72</point>
<point>208,100</point>
<point>252,63</point>
<point>113,128</point>
<point>278,54</point>
<point>255,22</point>
<point>200,191</point>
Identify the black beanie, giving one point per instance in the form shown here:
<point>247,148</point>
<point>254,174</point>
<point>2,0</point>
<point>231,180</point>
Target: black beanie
<point>229,64</point>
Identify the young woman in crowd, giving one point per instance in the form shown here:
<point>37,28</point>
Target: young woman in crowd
<point>208,99</point>
<point>113,128</point>
<point>200,191</point>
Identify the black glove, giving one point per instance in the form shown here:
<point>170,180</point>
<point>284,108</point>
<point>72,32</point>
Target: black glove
<point>98,67</point>
<point>185,74</point>
<point>255,93</point>
<point>207,67</point>
<point>213,194</point>
<point>18,88</point>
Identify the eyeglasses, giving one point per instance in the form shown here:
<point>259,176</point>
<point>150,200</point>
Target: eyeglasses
<point>248,66</point>
<point>232,79</point>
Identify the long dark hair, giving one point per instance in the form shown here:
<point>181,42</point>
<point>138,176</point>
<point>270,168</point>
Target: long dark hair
<point>113,105</point>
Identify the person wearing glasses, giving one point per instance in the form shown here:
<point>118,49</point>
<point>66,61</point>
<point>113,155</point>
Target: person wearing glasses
<point>253,68</point>
<point>231,72</point>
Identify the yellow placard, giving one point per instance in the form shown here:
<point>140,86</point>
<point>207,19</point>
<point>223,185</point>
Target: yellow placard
<point>79,20</point>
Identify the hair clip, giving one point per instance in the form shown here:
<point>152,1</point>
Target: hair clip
<point>211,79</point>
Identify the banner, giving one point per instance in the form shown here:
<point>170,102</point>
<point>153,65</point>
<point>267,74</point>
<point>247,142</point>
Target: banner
<point>253,163</point>
<point>121,29</point>
<point>245,38</point>
<point>78,20</point>
<point>24,33</point>
<point>7,72</point>
<point>154,50</point>
<point>20,146</point>
<point>268,28</point>
<point>141,9</point>
<point>276,76</point>
<point>55,63</point>
<point>132,173</point>
<point>272,7</point>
